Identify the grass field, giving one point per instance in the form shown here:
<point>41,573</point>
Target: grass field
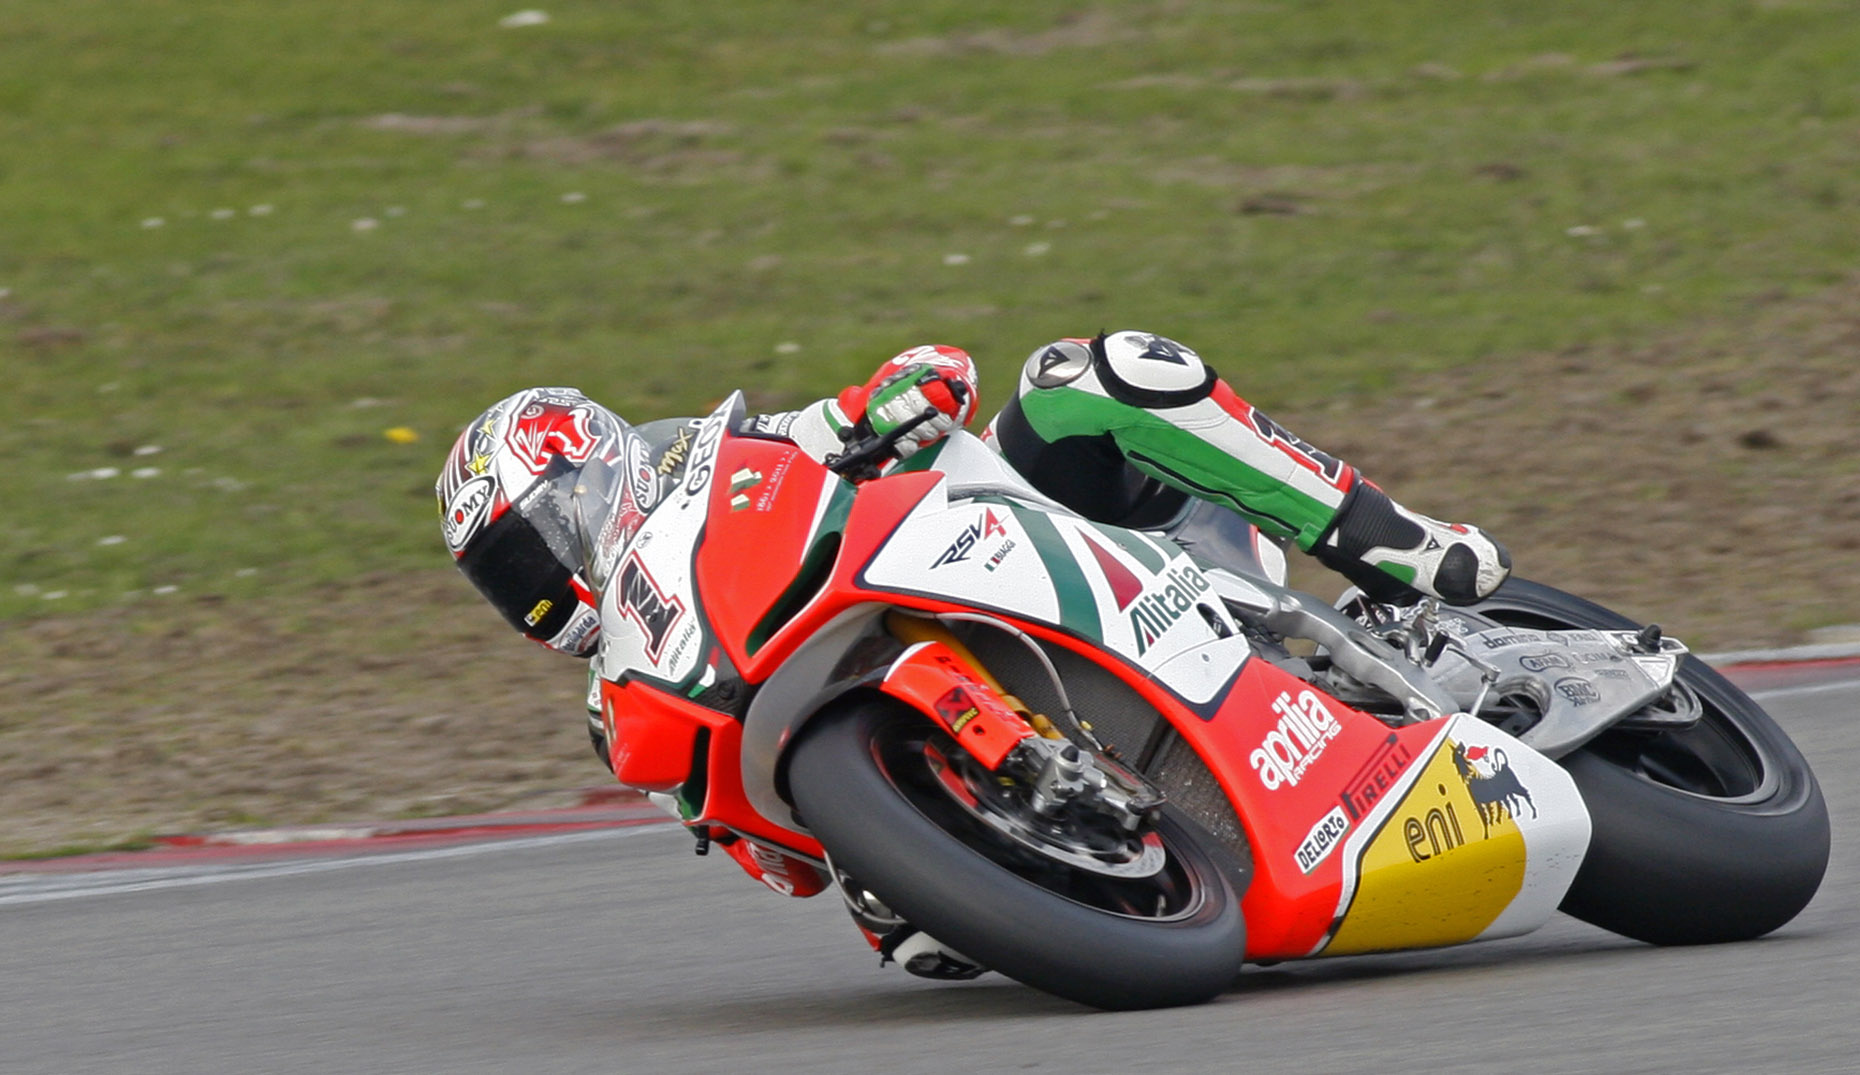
<point>259,261</point>
<point>257,236</point>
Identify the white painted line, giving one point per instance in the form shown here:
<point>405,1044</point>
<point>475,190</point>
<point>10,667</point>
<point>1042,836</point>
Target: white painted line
<point>1826,651</point>
<point>44,888</point>
<point>1812,688</point>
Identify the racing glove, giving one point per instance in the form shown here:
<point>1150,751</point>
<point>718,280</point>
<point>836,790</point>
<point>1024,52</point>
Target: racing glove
<point>932,377</point>
<point>1391,553</point>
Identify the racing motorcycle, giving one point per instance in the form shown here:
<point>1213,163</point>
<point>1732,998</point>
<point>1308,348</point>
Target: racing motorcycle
<point>1117,764</point>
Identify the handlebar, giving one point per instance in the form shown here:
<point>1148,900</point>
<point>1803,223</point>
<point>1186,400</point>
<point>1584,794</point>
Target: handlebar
<point>866,452</point>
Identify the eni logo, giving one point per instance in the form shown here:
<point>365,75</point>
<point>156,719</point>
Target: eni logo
<point>1433,833</point>
<point>1497,794</point>
<point>1450,858</point>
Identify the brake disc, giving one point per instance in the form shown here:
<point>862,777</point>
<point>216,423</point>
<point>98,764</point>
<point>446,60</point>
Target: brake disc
<point>1003,806</point>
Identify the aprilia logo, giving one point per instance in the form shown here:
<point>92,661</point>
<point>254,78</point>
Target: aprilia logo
<point>1305,728</point>
<point>1153,614</point>
<point>987,526</point>
<point>645,605</point>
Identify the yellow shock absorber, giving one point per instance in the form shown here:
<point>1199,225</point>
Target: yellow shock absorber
<point>915,629</point>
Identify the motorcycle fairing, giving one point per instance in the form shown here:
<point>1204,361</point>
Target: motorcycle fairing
<point>1290,759</point>
<point>776,523</point>
<point>1361,842</point>
<point>1135,596</point>
<point>652,622</point>
<point>663,742</point>
<point>1479,838</point>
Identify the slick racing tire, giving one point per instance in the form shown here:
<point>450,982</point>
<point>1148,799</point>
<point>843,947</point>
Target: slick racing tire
<point>1716,832</point>
<point>861,783</point>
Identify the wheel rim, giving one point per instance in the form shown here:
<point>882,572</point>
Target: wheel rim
<point>1711,759</point>
<point>1002,806</point>
<point>917,766</point>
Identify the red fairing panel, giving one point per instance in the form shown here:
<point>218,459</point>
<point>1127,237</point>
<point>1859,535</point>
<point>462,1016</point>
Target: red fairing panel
<point>652,737</point>
<point>765,505</point>
<point>771,511</point>
<point>1301,769</point>
<point>781,873</point>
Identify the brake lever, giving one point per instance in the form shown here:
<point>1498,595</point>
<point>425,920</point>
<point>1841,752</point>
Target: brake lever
<point>862,462</point>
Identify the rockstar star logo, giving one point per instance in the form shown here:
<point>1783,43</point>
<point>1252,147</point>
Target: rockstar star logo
<point>479,464</point>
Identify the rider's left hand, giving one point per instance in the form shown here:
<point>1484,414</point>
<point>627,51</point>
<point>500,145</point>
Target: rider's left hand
<point>930,378</point>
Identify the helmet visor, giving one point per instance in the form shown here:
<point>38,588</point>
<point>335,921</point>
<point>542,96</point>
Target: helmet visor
<point>607,503</point>
<point>525,561</point>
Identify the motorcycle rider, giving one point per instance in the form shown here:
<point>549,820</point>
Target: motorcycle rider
<point>542,491</point>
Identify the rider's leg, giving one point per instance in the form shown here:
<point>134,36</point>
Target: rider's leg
<point>894,939</point>
<point>1160,409</point>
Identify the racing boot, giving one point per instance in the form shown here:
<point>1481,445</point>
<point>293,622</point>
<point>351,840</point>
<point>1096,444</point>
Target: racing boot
<point>926,957</point>
<point>896,940</point>
<point>1395,555</point>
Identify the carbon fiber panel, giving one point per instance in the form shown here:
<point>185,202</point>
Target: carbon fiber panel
<point>1186,780</point>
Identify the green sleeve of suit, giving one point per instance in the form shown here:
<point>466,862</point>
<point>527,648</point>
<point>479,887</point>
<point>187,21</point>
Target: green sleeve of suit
<point>1210,462</point>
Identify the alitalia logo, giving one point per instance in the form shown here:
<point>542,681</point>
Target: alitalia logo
<point>1154,614</point>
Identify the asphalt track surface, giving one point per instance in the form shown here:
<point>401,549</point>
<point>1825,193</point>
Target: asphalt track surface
<point>619,951</point>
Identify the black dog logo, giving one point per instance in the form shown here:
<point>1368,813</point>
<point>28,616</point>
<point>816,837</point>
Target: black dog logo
<point>1497,794</point>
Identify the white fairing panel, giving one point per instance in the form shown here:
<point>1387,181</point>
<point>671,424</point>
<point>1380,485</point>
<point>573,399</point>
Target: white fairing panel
<point>1005,548</point>
<point>1553,821</point>
<point>650,624</point>
<point>969,552</point>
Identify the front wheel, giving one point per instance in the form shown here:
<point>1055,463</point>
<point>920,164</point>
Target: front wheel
<point>868,780</point>
<point>1714,832</point>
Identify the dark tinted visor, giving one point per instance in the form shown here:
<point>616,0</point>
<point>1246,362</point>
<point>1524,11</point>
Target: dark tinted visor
<point>513,565</point>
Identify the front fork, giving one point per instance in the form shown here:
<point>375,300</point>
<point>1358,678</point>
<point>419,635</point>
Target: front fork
<point>940,677</point>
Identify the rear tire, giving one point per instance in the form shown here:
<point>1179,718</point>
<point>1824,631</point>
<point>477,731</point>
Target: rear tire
<point>1712,833</point>
<point>860,783</point>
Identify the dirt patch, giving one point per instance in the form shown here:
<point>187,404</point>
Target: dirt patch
<point>1710,481</point>
<point>402,123</point>
<point>654,147</point>
<point>395,696</point>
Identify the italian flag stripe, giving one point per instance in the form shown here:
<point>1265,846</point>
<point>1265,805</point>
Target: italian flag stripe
<point>1134,544</point>
<point>1078,609</point>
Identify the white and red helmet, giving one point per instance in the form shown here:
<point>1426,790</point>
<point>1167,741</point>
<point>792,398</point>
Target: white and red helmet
<point>540,492</point>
